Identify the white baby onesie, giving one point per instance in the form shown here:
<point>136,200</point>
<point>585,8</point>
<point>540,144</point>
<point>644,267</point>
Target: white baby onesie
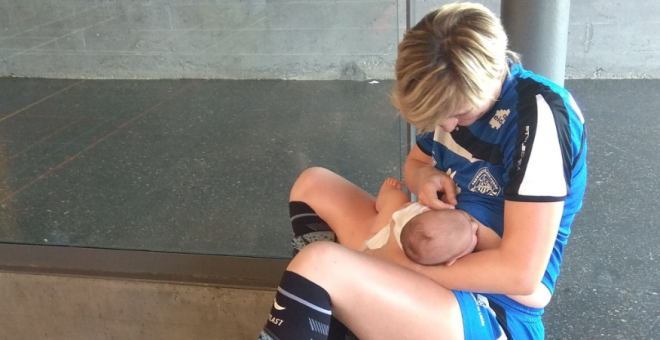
<point>400,218</point>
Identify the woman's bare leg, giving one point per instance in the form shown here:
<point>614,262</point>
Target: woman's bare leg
<point>347,209</point>
<point>377,299</point>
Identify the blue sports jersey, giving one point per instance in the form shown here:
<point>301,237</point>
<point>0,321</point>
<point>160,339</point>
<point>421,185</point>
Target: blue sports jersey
<point>530,146</point>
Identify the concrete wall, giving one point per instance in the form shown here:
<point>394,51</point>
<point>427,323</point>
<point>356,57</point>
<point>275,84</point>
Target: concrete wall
<point>289,39</point>
<point>199,38</point>
<point>606,39</point>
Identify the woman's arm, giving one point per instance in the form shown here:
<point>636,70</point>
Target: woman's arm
<point>486,237</point>
<point>517,265</point>
<point>423,180</point>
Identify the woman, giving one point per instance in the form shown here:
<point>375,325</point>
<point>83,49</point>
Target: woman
<point>511,143</point>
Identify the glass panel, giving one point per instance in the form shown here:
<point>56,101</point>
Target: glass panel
<point>180,125</point>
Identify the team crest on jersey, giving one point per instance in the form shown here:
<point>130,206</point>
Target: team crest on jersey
<point>498,119</point>
<point>484,183</point>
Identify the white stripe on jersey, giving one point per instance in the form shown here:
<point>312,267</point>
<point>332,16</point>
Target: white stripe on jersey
<point>575,108</point>
<point>544,175</point>
<point>444,138</point>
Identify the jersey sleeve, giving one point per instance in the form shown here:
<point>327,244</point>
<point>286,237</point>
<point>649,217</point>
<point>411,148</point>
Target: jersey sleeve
<point>538,165</point>
<point>425,142</point>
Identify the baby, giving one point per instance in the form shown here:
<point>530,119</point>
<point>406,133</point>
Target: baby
<point>428,237</point>
<point>431,237</point>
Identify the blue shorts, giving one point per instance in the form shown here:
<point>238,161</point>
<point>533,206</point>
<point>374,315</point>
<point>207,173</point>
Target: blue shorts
<point>494,316</point>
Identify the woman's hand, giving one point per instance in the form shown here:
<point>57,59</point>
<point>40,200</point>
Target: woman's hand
<point>436,189</point>
<point>425,181</point>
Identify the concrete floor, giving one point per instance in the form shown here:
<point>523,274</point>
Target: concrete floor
<point>610,277</point>
<point>204,167</point>
<point>49,307</point>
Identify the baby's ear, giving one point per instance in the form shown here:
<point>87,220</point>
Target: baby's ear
<point>450,262</point>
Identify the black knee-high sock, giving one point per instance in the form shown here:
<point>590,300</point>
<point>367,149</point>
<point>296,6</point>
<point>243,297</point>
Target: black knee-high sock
<point>301,310</point>
<point>307,226</point>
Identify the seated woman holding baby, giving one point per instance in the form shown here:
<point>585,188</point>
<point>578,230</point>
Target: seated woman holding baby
<point>505,148</point>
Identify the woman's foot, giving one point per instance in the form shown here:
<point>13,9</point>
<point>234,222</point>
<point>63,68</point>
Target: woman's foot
<point>390,184</point>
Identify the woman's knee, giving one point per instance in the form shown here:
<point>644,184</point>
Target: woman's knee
<point>316,253</point>
<point>314,261</point>
<point>307,182</point>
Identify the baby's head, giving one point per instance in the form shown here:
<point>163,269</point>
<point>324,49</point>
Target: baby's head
<point>439,236</point>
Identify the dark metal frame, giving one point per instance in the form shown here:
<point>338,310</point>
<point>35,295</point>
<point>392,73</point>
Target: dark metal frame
<point>410,130</point>
<point>228,271</point>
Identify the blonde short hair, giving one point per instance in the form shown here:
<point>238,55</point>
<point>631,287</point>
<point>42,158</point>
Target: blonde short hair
<point>445,60</point>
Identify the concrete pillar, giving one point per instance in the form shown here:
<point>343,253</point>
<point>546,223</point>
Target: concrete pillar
<point>538,30</point>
